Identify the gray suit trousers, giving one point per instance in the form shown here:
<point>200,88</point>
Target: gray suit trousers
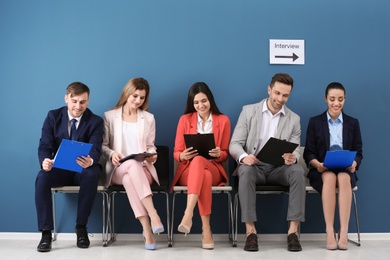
<point>265,174</point>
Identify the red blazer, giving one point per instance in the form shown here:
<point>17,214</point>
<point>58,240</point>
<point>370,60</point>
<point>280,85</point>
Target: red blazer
<point>188,125</point>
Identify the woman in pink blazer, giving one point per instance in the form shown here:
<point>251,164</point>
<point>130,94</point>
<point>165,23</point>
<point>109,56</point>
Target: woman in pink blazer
<point>130,129</point>
<point>201,116</point>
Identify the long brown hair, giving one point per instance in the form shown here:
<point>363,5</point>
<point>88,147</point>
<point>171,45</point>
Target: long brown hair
<point>130,87</point>
<point>196,88</point>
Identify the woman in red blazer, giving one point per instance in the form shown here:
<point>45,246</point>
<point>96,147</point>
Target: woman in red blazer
<point>201,116</point>
<point>333,130</point>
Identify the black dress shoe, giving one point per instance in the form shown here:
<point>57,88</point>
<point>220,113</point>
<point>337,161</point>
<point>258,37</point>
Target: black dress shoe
<point>251,243</point>
<point>82,237</point>
<point>45,243</point>
<point>293,244</point>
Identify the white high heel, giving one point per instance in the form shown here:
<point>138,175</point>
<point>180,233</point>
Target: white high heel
<point>184,229</point>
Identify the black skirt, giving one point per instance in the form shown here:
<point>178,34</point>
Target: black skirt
<point>315,178</point>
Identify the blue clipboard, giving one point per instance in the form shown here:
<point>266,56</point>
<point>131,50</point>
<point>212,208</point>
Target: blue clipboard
<point>339,159</point>
<point>67,154</point>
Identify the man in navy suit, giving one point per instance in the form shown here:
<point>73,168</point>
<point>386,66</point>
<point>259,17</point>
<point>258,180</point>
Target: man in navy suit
<point>57,126</point>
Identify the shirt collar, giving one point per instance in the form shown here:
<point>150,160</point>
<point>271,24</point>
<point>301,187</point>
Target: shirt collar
<point>265,108</point>
<point>77,118</point>
<point>339,119</point>
<point>210,119</point>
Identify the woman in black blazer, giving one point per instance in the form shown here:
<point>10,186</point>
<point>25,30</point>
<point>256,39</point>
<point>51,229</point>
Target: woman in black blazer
<point>333,130</point>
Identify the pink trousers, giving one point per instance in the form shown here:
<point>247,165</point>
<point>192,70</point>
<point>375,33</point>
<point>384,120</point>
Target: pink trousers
<point>199,177</point>
<point>136,180</point>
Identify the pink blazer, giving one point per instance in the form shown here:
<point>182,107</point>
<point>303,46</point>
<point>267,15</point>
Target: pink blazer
<point>112,138</point>
<point>188,125</point>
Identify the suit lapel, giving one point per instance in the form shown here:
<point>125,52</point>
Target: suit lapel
<point>345,132</point>
<point>194,123</point>
<point>258,119</point>
<point>65,124</point>
<point>216,129</point>
<point>118,126</point>
<point>141,129</point>
<point>325,130</point>
<point>282,122</point>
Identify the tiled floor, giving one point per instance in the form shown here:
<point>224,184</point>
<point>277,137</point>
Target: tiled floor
<point>188,248</point>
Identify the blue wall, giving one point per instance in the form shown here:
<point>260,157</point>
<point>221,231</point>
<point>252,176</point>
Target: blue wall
<point>45,45</point>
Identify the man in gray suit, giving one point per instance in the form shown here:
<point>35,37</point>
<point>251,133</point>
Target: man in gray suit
<point>256,124</point>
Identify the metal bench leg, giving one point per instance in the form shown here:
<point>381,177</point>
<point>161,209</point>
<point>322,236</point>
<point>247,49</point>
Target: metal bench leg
<point>109,226</point>
<point>172,218</point>
<point>107,235</point>
<point>53,195</point>
<point>112,206</point>
<point>231,223</point>
<point>357,221</point>
<point>235,237</point>
<point>168,221</point>
<point>104,231</point>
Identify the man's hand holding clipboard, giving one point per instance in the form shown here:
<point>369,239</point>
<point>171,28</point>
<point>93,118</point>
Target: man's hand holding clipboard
<point>71,156</point>
<point>278,152</point>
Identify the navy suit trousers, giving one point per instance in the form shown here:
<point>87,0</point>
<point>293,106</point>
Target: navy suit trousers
<point>87,180</point>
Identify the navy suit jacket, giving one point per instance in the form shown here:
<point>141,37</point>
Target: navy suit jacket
<point>318,139</point>
<point>55,128</point>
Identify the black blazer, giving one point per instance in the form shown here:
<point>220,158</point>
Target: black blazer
<point>318,139</point>
<point>55,128</point>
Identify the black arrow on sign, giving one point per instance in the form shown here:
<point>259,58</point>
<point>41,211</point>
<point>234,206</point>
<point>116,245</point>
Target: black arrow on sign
<point>294,57</point>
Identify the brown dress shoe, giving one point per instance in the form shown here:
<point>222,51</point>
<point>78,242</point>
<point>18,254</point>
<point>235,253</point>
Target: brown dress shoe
<point>293,244</point>
<point>251,243</point>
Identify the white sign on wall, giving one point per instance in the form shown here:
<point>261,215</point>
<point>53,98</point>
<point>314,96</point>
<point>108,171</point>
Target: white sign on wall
<point>287,51</point>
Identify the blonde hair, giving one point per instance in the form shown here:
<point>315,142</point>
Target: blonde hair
<point>131,86</point>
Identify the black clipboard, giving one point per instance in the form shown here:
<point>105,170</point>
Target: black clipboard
<point>67,154</point>
<point>201,142</point>
<point>274,149</point>
<point>339,159</point>
<point>140,157</point>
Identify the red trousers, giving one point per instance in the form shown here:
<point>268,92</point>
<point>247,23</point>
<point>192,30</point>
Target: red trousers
<point>199,177</point>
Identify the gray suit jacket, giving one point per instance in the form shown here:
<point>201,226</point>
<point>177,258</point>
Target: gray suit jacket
<point>246,135</point>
